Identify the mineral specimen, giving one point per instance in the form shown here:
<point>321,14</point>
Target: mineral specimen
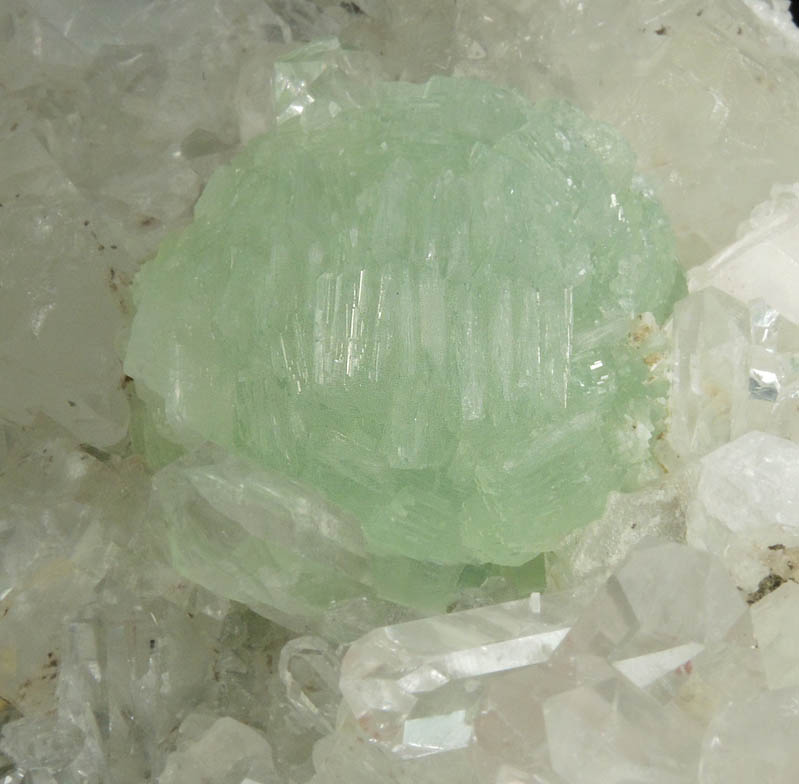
<point>427,306</point>
<point>115,668</point>
<point>615,689</point>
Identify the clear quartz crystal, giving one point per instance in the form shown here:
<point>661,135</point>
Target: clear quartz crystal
<point>309,670</point>
<point>616,687</point>
<point>220,750</point>
<point>414,687</point>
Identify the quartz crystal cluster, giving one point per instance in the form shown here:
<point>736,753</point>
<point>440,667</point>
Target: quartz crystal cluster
<point>409,456</point>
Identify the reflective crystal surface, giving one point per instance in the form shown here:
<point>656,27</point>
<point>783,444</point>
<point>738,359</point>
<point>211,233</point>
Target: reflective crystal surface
<point>414,688</point>
<point>735,364</point>
<point>764,263</point>
<point>616,688</point>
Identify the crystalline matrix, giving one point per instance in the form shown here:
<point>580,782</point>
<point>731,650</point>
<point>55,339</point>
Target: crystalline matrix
<point>288,542</point>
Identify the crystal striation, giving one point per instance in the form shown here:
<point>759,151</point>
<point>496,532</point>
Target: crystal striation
<point>412,686</point>
<point>425,302</point>
<point>615,688</point>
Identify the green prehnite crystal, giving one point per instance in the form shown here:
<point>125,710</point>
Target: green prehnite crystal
<point>423,303</point>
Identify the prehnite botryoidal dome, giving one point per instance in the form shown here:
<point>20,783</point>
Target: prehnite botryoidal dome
<point>428,304</point>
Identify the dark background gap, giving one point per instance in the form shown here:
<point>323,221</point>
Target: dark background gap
<point>795,11</point>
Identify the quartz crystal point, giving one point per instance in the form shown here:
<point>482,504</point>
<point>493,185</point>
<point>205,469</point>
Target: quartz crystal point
<point>615,689</point>
<point>424,302</point>
<point>412,687</point>
<point>128,675</point>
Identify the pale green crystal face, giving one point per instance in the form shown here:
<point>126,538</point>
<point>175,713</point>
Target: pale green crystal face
<point>421,307</point>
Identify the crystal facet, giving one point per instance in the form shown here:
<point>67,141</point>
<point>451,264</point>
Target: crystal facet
<point>427,303</point>
<point>615,688</point>
<point>747,502</point>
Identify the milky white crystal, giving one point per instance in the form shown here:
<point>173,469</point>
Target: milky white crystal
<point>755,740</point>
<point>747,501</point>
<point>221,750</point>
<point>764,263</point>
<point>775,620</point>
<point>413,687</point>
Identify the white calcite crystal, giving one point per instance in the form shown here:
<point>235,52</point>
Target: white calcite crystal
<point>746,508</point>
<point>735,368</point>
<point>764,263</point>
<point>221,750</point>
<point>775,620</point>
<point>756,740</point>
<point>665,649</point>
